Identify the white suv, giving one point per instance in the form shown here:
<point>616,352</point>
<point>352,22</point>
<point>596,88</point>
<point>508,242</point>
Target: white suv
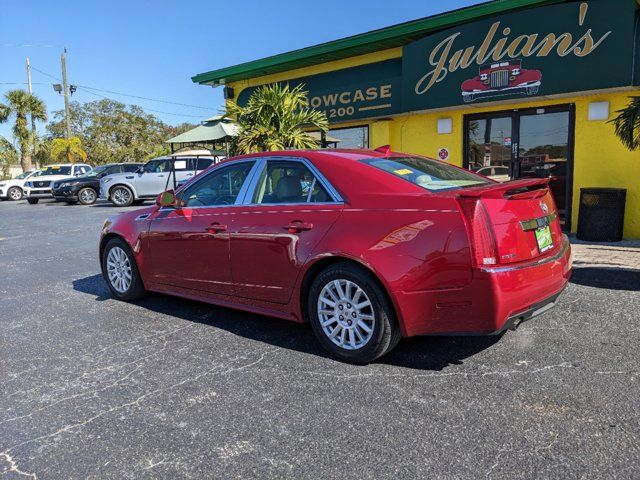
<point>13,189</point>
<point>39,186</point>
<point>153,178</point>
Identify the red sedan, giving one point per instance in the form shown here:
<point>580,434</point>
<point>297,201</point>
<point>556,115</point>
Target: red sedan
<point>367,246</point>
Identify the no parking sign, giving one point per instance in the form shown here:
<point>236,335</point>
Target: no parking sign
<point>443,154</point>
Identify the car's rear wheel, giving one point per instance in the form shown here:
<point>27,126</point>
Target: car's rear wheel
<point>351,315</point>
<point>33,201</point>
<point>15,194</point>
<point>120,271</point>
<point>121,196</point>
<point>87,196</point>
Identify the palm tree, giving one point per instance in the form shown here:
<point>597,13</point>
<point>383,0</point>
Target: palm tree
<point>274,118</point>
<point>67,149</point>
<point>21,104</point>
<point>627,124</point>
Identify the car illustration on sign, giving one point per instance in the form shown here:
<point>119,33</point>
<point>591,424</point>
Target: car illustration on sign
<point>503,78</point>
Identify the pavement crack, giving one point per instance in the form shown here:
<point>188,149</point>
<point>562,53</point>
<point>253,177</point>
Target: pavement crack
<point>13,467</point>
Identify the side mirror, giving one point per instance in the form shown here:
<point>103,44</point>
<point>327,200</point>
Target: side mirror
<point>167,199</point>
<point>140,169</point>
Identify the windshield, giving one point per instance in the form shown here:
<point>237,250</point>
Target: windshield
<point>23,175</point>
<point>96,171</point>
<point>55,170</point>
<point>426,173</point>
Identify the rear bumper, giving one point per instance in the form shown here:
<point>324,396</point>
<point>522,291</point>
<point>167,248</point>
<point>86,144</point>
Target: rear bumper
<point>495,300</point>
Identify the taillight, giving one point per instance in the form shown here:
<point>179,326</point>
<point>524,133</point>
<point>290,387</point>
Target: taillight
<point>483,243</point>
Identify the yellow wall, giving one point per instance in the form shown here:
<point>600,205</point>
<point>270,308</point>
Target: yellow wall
<point>600,160</point>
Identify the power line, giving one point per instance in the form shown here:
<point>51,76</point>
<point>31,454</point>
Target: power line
<point>86,87</point>
<point>144,108</point>
<point>147,98</point>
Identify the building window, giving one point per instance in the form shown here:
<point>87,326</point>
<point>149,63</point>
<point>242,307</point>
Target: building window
<point>354,137</point>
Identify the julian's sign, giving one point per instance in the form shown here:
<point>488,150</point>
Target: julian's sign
<point>568,47</point>
<point>352,93</point>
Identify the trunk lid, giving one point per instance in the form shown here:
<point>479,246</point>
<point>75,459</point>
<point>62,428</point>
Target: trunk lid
<point>522,216</point>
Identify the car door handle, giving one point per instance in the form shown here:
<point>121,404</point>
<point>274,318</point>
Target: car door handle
<point>298,226</point>
<point>189,174</point>
<point>216,228</point>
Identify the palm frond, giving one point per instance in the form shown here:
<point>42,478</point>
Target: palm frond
<point>627,124</point>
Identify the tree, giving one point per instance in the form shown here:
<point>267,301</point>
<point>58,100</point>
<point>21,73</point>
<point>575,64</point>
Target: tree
<point>21,104</point>
<point>8,156</point>
<point>67,150</point>
<point>111,131</point>
<point>274,118</point>
<point>627,124</point>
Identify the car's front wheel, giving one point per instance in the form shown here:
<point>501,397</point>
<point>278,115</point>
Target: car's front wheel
<point>15,194</point>
<point>351,315</point>
<point>87,196</point>
<point>121,196</point>
<point>120,271</point>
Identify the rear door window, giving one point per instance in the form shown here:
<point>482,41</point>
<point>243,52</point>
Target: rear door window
<point>427,173</point>
<point>288,182</point>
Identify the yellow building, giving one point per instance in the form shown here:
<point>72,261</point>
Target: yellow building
<point>509,88</point>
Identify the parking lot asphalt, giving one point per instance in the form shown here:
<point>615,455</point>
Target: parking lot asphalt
<point>168,388</point>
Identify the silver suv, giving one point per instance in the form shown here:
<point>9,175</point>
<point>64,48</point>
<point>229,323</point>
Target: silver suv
<point>153,178</point>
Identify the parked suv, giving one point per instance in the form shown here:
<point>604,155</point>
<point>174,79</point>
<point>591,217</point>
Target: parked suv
<point>86,188</point>
<point>39,186</point>
<point>154,177</point>
<point>13,189</point>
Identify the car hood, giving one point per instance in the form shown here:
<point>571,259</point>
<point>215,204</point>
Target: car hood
<point>119,176</point>
<point>48,178</point>
<point>14,182</point>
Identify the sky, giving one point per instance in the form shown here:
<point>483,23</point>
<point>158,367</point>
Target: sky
<point>152,48</point>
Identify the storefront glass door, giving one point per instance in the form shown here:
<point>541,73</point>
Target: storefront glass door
<point>532,143</point>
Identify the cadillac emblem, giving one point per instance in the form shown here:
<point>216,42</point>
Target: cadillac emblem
<point>544,207</point>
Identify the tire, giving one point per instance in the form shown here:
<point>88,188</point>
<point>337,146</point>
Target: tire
<point>87,196</point>
<point>33,201</point>
<point>356,284</point>
<point>15,194</point>
<point>117,260</point>
<point>121,196</point>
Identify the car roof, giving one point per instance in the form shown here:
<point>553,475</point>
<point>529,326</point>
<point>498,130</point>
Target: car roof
<point>356,181</point>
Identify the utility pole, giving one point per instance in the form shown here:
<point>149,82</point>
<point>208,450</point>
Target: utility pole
<point>65,90</point>
<point>33,122</point>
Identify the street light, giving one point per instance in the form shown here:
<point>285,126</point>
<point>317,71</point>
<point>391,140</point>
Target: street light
<point>58,88</point>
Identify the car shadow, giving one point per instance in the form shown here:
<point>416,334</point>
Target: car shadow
<point>607,277</point>
<point>422,353</point>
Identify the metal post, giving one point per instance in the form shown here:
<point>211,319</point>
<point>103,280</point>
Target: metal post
<point>33,121</point>
<point>65,90</point>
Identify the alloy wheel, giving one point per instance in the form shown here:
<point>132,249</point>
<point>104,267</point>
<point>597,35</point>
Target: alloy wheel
<point>121,196</point>
<point>15,194</point>
<point>88,196</point>
<point>346,314</point>
<point>119,269</point>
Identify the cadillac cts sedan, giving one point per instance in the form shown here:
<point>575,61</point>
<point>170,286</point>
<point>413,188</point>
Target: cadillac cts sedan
<point>367,246</point>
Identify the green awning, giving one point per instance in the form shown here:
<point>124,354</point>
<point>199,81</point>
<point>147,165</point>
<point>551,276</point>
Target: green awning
<point>213,130</point>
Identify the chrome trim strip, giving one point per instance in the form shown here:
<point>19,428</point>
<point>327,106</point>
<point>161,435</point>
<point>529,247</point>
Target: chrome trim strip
<point>537,263</point>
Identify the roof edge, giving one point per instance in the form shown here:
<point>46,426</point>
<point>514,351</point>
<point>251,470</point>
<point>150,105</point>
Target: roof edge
<point>348,46</point>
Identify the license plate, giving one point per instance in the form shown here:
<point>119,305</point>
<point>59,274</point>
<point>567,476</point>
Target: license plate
<point>544,239</point>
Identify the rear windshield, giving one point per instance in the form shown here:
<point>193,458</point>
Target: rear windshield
<point>428,174</point>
